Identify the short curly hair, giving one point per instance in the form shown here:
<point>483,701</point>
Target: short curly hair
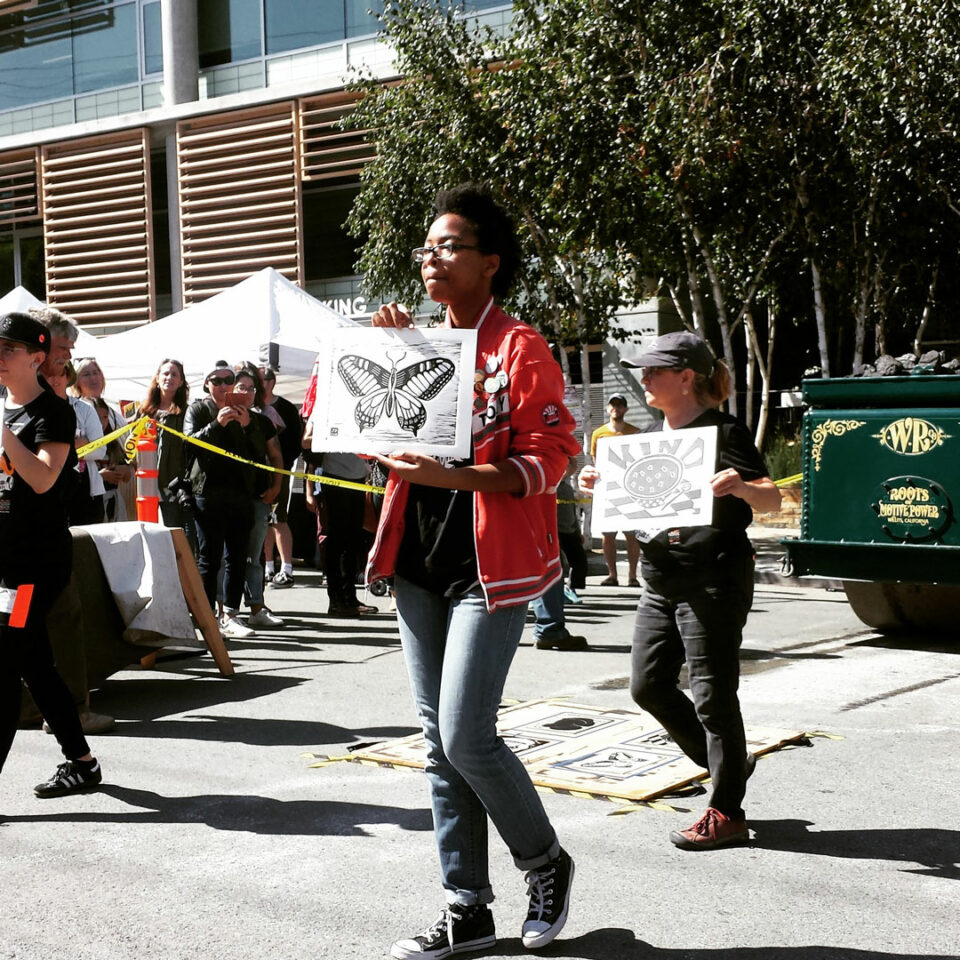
<point>492,224</point>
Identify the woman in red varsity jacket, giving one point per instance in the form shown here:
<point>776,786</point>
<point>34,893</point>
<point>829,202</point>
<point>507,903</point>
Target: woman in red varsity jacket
<point>469,545</point>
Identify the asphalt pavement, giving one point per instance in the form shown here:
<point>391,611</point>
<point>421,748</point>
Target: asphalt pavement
<point>214,838</point>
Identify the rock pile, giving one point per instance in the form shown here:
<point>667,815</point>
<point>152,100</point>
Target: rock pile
<point>931,362</point>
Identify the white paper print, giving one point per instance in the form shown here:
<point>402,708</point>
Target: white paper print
<point>654,481</point>
<point>381,390</point>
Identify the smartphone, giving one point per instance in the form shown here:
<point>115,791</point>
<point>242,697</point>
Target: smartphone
<point>238,399</point>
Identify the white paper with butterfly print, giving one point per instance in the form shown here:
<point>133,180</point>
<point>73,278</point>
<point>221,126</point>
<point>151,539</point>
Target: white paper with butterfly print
<point>381,390</point>
<point>651,482</point>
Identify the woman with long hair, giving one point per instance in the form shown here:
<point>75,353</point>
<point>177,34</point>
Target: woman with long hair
<point>36,551</point>
<point>166,402</point>
<point>699,587</point>
<point>470,544</point>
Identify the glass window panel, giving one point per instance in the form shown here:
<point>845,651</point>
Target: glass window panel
<point>328,250</point>
<point>32,272</point>
<point>302,23</point>
<point>228,30</point>
<point>361,17</point>
<point>105,49</point>
<point>35,65</point>
<point>152,39</point>
<point>8,279</point>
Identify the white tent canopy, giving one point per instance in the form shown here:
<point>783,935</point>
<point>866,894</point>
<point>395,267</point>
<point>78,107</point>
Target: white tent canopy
<point>265,319</point>
<point>19,300</point>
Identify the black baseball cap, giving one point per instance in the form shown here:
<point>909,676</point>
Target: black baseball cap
<point>679,350</point>
<point>22,328</point>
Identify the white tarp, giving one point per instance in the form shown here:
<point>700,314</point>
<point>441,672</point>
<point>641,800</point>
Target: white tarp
<point>265,318</point>
<point>19,300</point>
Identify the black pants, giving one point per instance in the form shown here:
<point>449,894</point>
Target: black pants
<point>343,527</point>
<point>699,621</point>
<point>224,518</point>
<point>26,655</point>
<point>572,546</point>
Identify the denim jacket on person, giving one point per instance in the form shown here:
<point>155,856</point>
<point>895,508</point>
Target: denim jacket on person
<point>519,416</point>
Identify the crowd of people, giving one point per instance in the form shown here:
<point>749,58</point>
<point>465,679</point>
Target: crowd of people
<point>467,546</point>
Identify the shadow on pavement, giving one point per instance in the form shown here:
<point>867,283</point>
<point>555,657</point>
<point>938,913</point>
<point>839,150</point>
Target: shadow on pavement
<point>247,814</point>
<point>936,850</point>
<point>617,943</point>
<point>255,732</point>
<point>132,698</point>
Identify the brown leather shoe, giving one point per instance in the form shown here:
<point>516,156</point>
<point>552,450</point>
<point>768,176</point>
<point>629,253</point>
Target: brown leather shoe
<point>351,612</point>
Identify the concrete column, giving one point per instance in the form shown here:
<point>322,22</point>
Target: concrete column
<point>173,219</point>
<point>181,59</point>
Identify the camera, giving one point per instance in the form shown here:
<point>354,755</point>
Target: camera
<point>180,490</point>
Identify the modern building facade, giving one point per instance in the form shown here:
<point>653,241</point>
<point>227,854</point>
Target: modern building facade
<point>155,152</point>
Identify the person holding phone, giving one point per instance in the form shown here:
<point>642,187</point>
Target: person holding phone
<point>223,489</point>
<point>36,551</point>
<point>470,544</point>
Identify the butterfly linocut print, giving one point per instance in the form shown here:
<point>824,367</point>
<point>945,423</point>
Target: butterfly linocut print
<point>393,392</point>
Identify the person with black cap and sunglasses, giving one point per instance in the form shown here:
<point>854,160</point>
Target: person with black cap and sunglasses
<point>36,461</point>
<point>699,587</point>
<point>223,489</point>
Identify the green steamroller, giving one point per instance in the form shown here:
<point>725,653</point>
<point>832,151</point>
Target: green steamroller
<point>881,490</point>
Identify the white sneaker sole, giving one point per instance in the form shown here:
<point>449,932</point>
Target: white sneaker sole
<point>399,952</point>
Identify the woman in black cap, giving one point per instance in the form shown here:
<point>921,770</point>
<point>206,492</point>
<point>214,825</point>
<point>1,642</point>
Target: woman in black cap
<point>36,465</point>
<point>699,587</point>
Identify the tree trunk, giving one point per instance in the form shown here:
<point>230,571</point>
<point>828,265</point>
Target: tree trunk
<point>927,309</point>
<point>818,306</point>
<point>766,372</point>
<point>752,360</point>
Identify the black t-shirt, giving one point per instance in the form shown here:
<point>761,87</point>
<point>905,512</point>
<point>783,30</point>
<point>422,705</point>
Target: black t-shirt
<point>291,434</point>
<point>437,551</point>
<point>684,549</point>
<point>33,526</point>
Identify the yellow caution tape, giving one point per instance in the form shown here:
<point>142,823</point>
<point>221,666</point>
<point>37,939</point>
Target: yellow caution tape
<point>110,437</point>
<point>317,478</point>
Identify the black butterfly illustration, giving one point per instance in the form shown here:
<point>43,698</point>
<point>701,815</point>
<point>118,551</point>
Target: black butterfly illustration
<point>393,392</point>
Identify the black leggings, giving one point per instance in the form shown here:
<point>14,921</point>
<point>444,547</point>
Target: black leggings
<point>26,655</point>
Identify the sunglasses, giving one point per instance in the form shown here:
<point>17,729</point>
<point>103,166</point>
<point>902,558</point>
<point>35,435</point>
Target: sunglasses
<point>227,380</point>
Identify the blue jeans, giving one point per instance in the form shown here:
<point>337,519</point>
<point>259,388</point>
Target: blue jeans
<point>223,520</point>
<point>550,622</point>
<point>458,656</point>
<point>258,533</point>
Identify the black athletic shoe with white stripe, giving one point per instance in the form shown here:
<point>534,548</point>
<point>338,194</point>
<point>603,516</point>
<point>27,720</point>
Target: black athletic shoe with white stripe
<point>549,890</point>
<point>458,929</point>
<point>73,776</point>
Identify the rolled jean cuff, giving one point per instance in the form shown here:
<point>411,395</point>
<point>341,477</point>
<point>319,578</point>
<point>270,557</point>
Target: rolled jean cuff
<point>531,863</point>
<point>469,898</point>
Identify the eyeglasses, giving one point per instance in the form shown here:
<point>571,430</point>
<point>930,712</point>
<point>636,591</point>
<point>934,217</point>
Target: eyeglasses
<point>647,372</point>
<point>442,251</point>
<point>7,348</point>
<point>227,380</point>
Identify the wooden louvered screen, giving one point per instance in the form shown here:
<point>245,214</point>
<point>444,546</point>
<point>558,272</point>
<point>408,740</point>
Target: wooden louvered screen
<point>239,198</point>
<point>19,196</point>
<point>330,154</point>
<point>97,228</point>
